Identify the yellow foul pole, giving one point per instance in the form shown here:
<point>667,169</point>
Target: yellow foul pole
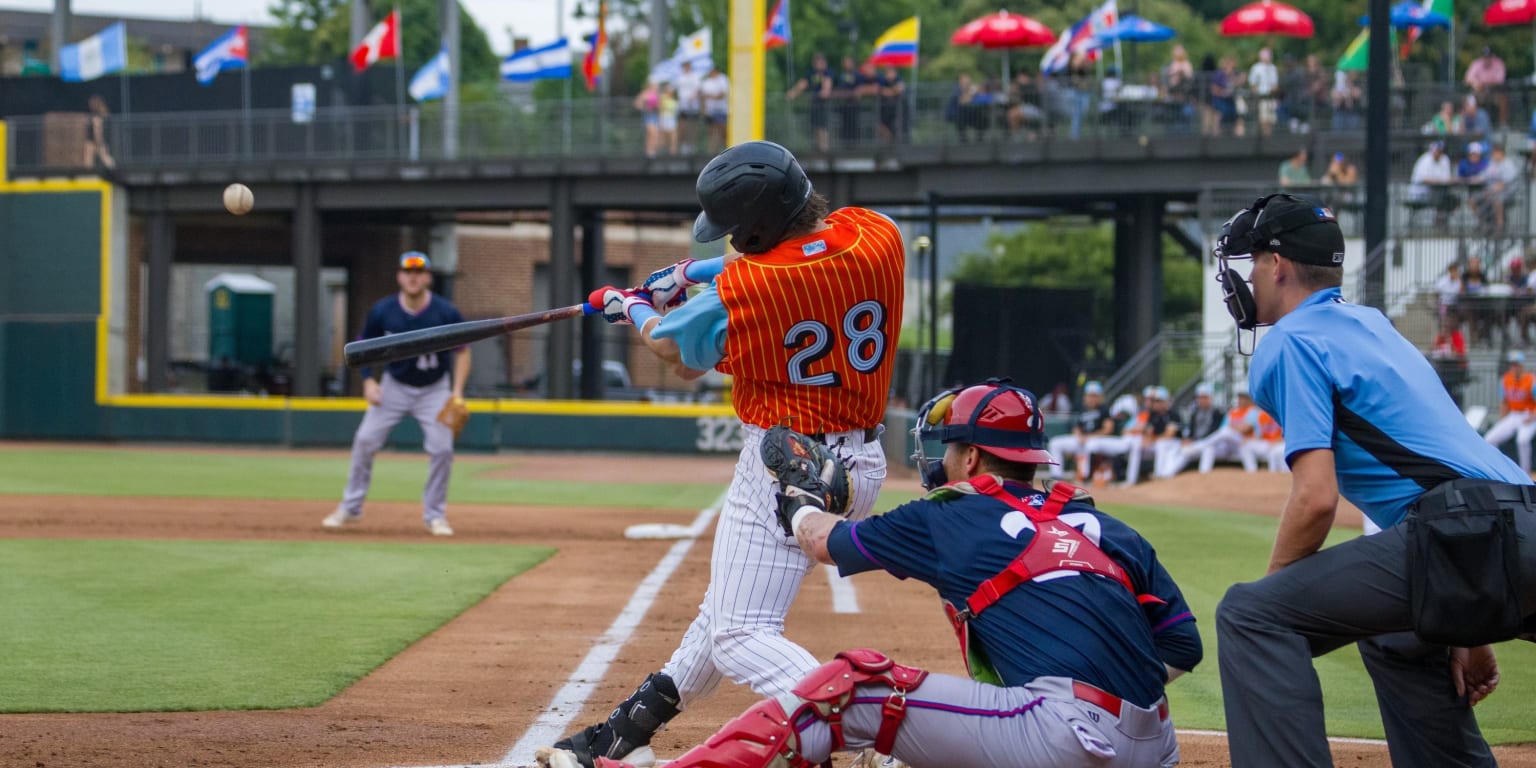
<point>745,68</point>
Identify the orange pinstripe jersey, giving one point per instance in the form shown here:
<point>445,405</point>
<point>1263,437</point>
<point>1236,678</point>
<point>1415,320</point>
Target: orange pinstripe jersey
<point>812,325</point>
<point>1269,429</point>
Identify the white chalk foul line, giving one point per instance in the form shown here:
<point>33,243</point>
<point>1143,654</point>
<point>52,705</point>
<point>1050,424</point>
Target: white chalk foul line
<point>569,700</point>
<point>844,598</point>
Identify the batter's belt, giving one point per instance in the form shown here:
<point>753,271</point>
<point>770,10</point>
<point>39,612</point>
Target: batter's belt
<point>868,434</point>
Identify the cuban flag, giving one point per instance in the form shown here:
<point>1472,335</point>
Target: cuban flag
<point>547,62</point>
<point>777,34</point>
<point>431,81</point>
<point>100,54</point>
<point>227,52</point>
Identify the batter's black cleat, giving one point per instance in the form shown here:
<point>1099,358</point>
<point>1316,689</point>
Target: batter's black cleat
<point>625,735</point>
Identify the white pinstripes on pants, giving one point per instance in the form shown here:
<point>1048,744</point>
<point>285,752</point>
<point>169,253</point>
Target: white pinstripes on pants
<point>755,572</point>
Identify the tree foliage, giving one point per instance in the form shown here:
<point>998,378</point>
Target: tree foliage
<point>1080,254</point>
<point>319,32</point>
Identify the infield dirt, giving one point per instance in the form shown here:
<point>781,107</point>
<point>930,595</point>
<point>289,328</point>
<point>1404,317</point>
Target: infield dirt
<point>468,691</point>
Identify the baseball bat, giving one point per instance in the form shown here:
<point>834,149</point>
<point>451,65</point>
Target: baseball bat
<point>400,346</point>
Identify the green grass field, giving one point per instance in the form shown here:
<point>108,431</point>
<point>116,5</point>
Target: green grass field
<point>108,626</point>
<point>272,622</point>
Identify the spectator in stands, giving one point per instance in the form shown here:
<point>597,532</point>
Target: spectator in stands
<point>1092,420</point>
<point>1485,75</point>
<point>890,90</point>
<point>846,89</point>
<point>1264,82</point>
<point>1024,112</point>
<point>1210,116</point>
<point>1517,410</point>
<point>1294,171</point>
<point>1057,401</point>
<point>1474,280</point>
<point>688,107</point>
<point>1444,122</point>
<point>1472,167</point>
<point>1472,120</point>
<point>1109,93</point>
<point>1341,172</point>
<point>1448,289</point>
<point>666,111</point>
<point>1346,97</point>
<point>1502,178</point>
<point>1448,356</point>
<point>819,84</point>
<point>1200,421</point>
<point>714,95</point>
<point>965,109</point>
<point>1178,84</point>
<point>1427,185</point>
<point>648,102</point>
<point>1474,283</point>
<point>1293,96</point>
<point>1224,84</point>
<point>1318,83</point>
<point>96,136</point>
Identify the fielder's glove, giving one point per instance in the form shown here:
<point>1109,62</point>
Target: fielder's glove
<point>669,286</point>
<point>616,303</point>
<point>454,415</point>
<point>807,472</point>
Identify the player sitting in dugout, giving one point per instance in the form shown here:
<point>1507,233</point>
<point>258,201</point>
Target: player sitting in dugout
<point>1070,626</point>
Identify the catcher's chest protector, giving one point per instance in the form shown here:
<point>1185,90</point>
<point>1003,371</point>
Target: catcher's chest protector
<point>1054,547</point>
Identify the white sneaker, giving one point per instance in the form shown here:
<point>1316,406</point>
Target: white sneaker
<point>340,517</point>
<point>439,527</point>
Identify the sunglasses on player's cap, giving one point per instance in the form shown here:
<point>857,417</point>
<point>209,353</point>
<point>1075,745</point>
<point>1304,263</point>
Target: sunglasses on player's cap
<point>415,260</point>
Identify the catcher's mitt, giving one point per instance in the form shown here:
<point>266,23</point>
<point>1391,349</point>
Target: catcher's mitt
<point>454,415</point>
<point>807,472</point>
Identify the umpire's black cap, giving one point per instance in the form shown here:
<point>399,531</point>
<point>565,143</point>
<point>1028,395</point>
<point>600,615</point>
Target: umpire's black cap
<point>1301,229</point>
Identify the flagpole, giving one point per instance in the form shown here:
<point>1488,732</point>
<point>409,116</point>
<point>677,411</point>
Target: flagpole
<point>245,104</point>
<point>399,65</point>
<point>565,110</point>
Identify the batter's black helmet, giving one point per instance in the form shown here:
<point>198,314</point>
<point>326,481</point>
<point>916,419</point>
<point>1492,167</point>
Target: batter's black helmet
<point>751,192</point>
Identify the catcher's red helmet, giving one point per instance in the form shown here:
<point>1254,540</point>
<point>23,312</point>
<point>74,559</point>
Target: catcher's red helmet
<point>994,416</point>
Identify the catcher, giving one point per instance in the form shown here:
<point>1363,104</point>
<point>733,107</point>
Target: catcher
<point>420,387</point>
<point>1069,625</point>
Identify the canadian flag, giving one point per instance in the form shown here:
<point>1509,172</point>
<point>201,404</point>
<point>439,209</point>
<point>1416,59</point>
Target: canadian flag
<point>381,42</point>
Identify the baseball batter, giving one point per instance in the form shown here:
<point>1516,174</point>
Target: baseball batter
<point>1071,626</point>
<point>806,320</point>
<point>420,387</point>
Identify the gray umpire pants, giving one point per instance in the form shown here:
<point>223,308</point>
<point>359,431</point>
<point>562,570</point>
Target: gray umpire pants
<point>397,400</point>
<point>1268,630</point>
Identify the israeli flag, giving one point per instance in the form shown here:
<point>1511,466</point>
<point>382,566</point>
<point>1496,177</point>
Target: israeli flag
<point>431,81</point>
<point>227,52</point>
<point>100,54</point>
<point>549,62</point>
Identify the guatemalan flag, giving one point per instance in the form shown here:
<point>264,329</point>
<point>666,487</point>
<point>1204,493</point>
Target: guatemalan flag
<point>898,46</point>
<point>432,80</point>
<point>547,62</point>
<point>777,34</point>
<point>227,52</point>
<point>100,54</point>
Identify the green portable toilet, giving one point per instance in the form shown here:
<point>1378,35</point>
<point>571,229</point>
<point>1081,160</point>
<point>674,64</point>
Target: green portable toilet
<point>240,320</point>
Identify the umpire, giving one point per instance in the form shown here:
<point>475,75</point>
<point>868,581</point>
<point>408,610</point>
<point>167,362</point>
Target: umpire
<point>1364,415</point>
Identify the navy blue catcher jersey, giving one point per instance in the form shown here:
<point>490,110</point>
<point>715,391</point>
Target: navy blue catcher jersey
<point>1083,626</point>
<point>390,316</point>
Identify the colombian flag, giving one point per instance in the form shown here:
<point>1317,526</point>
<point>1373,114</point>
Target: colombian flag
<point>777,33</point>
<point>898,46</point>
<point>592,64</point>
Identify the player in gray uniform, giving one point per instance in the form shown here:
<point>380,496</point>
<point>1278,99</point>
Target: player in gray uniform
<point>419,386</point>
<point>1071,626</point>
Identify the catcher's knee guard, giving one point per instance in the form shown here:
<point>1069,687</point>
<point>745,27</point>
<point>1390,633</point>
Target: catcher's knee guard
<point>827,690</point>
<point>761,737</point>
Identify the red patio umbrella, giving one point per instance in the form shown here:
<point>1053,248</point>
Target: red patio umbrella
<point>1267,17</point>
<point>1004,30</point>
<point>1510,12</point>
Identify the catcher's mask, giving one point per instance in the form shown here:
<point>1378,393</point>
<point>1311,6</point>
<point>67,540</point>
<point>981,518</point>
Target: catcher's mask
<point>751,192</point>
<point>994,416</point>
<point>1259,228</point>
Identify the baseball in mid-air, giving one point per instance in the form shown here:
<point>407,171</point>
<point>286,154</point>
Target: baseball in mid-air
<point>238,199</point>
